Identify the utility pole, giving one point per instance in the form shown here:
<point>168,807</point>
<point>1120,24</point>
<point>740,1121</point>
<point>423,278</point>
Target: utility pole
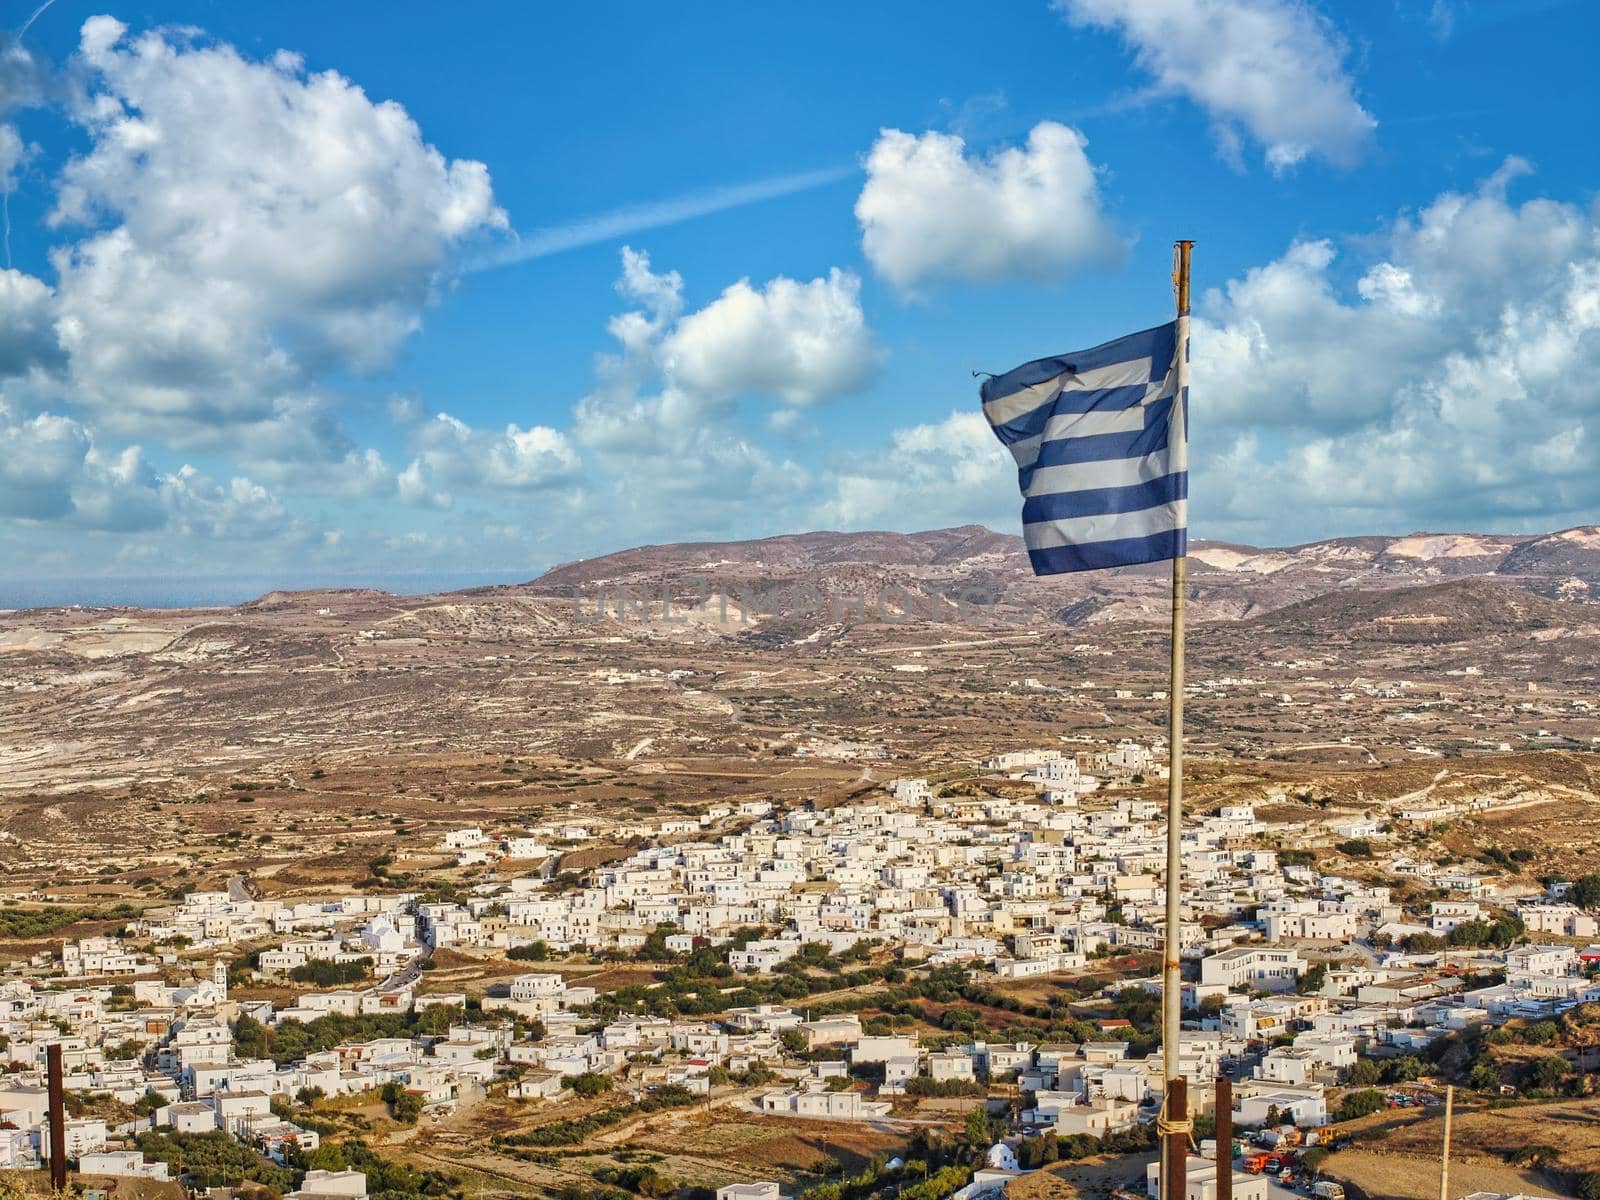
<point>58,1119</point>
<point>1224,1138</point>
<point>1444,1158</point>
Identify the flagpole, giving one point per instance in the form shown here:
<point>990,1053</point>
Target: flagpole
<point>1174,1122</point>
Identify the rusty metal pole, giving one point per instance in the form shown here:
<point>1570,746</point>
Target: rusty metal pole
<point>1224,1138</point>
<point>58,1119</point>
<point>1174,1178</point>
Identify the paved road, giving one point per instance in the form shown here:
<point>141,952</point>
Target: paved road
<point>240,890</point>
<point>406,975</point>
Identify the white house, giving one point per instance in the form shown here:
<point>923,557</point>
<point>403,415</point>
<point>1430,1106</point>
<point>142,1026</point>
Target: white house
<point>1200,1181</point>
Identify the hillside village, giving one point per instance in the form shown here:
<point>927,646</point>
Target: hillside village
<point>783,928</point>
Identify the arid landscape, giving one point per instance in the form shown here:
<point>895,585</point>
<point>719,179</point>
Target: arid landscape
<point>1370,705</point>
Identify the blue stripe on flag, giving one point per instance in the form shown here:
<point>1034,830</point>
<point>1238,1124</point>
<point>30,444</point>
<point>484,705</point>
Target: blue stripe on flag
<point>1096,502</point>
<point>1093,556</point>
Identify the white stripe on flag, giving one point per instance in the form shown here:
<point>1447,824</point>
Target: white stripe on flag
<point>1089,476</point>
<point>1108,527</point>
<point>1092,424</point>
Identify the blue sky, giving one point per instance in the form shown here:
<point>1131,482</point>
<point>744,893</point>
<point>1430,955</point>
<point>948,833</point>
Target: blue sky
<point>276,302</point>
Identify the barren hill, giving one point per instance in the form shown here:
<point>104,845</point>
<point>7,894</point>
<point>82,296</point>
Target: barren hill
<point>1229,581</point>
<point>1457,611</point>
<point>1294,648</point>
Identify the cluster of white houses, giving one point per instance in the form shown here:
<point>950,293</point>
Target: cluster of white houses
<point>1031,884</point>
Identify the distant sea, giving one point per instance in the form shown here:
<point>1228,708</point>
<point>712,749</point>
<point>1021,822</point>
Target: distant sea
<point>222,590</point>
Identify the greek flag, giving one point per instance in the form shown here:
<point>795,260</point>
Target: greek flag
<point>1101,449</point>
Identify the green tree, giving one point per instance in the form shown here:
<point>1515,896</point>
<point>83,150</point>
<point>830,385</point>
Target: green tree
<point>329,1156</point>
<point>1359,1104</point>
<point>325,973</point>
<point>1547,1073</point>
<point>590,1083</point>
<point>978,1127</point>
<point>1422,943</point>
<point>1585,891</point>
<point>1483,1076</point>
<point>1364,1073</point>
<point>250,1038</point>
<point>1403,1069</point>
<point>1541,1033</point>
<point>1313,980</point>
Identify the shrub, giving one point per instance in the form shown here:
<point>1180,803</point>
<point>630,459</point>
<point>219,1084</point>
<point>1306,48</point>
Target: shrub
<point>323,972</point>
<point>923,1086</point>
<point>590,1083</point>
<point>1359,1104</point>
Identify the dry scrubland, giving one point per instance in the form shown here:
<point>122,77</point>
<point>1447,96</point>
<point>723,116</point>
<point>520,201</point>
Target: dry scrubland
<point>308,743</point>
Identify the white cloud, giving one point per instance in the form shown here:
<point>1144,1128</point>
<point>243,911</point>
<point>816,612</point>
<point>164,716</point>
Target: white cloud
<point>27,335</point>
<point>662,421</point>
<point>678,376</point>
<point>54,473</point>
<point>928,211</point>
<point>356,473</point>
<point>43,458</point>
<point>512,459</point>
<point>948,472</point>
<point>801,342</point>
<point>239,510</point>
<point>417,490</point>
<point>20,87</point>
<point>1441,20</point>
<point>11,156</point>
<point>1280,345</point>
<point>1449,386</point>
<point>1274,67</point>
<point>1452,390</point>
<point>253,225</point>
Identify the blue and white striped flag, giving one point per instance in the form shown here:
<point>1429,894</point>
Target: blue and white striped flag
<point>1101,449</point>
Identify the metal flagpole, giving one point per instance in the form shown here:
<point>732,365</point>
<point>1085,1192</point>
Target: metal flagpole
<point>1174,1121</point>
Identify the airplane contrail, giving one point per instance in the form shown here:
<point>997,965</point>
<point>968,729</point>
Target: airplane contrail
<point>37,13</point>
<point>619,222</point>
<point>7,185</point>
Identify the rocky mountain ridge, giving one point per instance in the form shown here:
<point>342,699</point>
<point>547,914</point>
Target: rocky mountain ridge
<point>1228,581</point>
